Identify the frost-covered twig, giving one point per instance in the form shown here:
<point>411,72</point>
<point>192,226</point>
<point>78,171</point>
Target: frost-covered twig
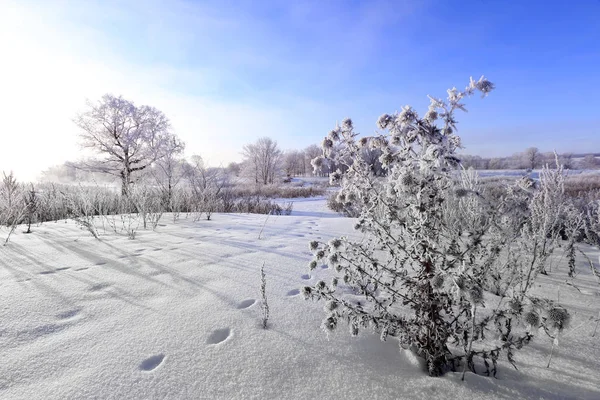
<point>263,292</point>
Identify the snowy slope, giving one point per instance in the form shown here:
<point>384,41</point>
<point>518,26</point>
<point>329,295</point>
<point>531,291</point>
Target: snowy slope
<point>175,314</point>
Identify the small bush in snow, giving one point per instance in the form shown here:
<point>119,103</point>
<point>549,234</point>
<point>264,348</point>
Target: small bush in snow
<point>31,201</point>
<point>82,210</point>
<point>442,269</point>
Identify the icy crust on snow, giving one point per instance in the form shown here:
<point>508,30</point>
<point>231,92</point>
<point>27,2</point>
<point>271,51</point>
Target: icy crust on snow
<point>176,314</point>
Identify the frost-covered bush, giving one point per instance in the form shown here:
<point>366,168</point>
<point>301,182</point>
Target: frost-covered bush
<point>82,210</point>
<point>31,201</point>
<point>338,203</point>
<point>12,205</point>
<point>149,204</point>
<point>439,267</point>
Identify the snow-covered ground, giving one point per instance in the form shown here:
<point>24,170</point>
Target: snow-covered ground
<point>175,314</point>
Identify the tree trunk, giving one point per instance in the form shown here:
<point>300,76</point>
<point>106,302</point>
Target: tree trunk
<point>125,180</point>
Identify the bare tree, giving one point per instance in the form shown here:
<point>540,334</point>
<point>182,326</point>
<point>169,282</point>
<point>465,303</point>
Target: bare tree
<point>167,173</point>
<point>127,138</point>
<point>532,157</point>
<point>263,160</point>
<point>497,163</point>
<point>199,175</point>
<point>207,185</point>
<point>234,168</point>
<point>293,163</point>
<point>566,160</point>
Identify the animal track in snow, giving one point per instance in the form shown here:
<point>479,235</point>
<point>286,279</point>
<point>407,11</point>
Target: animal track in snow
<point>218,336</point>
<point>99,286</point>
<point>100,263</point>
<point>68,314</point>
<point>151,363</point>
<point>305,277</point>
<point>47,272</point>
<point>246,303</point>
<point>324,266</point>
<point>82,269</point>
<point>53,271</point>
<point>293,292</point>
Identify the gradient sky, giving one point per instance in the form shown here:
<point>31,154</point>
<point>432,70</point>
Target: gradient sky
<point>229,72</point>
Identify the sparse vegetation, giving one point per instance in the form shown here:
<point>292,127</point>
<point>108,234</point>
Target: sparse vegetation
<point>263,295</point>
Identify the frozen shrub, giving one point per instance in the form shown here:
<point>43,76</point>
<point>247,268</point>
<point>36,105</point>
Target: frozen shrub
<point>13,207</point>
<point>82,210</point>
<point>442,269</point>
<point>31,207</point>
<point>342,205</point>
<point>148,203</point>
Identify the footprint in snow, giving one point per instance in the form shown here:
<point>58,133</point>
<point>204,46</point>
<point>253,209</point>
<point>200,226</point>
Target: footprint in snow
<point>151,363</point>
<point>100,263</point>
<point>47,272</point>
<point>246,304</point>
<point>68,314</point>
<point>53,271</point>
<point>305,277</point>
<point>219,336</point>
<point>293,292</point>
<point>99,286</point>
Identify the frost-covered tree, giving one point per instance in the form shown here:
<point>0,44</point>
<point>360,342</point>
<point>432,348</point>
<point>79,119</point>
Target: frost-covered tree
<point>167,173</point>
<point>263,160</point>
<point>532,157</point>
<point>439,267</point>
<point>206,184</point>
<point>294,163</point>
<point>127,138</point>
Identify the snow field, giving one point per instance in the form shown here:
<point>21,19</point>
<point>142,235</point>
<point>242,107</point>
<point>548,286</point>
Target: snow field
<point>175,314</point>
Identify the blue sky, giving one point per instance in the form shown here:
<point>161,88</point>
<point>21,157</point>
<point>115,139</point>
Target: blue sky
<point>228,72</point>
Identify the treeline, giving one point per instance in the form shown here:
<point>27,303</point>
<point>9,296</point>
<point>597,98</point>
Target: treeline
<point>532,158</point>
